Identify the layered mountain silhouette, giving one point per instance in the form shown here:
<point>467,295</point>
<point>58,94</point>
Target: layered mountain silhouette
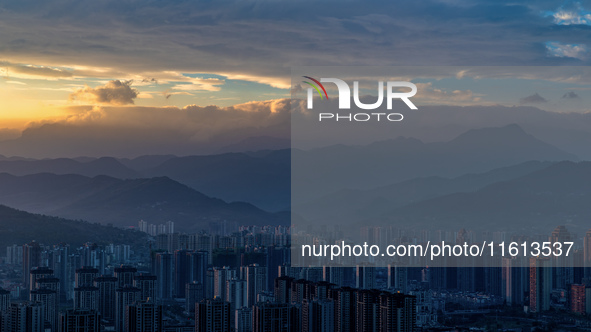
<point>539,201</point>
<point>108,200</point>
<point>18,227</point>
<point>351,204</point>
<point>326,170</point>
<point>258,143</point>
<point>93,167</point>
<point>263,178</point>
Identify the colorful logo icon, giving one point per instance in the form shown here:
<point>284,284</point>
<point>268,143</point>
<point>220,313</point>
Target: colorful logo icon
<point>316,87</point>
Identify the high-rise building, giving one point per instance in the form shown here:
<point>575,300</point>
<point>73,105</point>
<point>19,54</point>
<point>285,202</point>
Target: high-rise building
<point>125,275</point>
<point>334,275</point>
<point>80,320</point>
<point>164,275</point>
<point>148,284</point>
<point>31,259</point>
<point>398,278</point>
<point>365,277</point>
<point>367,310</point>
<point>143,226</point>
<point>49,283</point>
<point>209,282</point>
<point>199,262</point>
<point>578,299</point>
<point>301,290</point>
<point>4,305</point>
<point>25,317</point>
<point>243,319</point>
<point>212,315</point>
<point>345,308</point>
<point>322,289</point>
<point>587,254</point>
<point>14,255</point>
<point>144,316</point>
<point>220,276</point>
<point>85,276</point>
<point>562,266</point>
<point>4,302</point>
<point>106,296</point>
<point>236,293</point>
<point>124,297</point>
<point>283,289</point>
<point>318,316</point>
<point>314,274</point>
<point>193,293</point>
<point>48,299</point>
<point>276,257</point>
<point>397,312</point>
<point>256,281</point>
<point>181,272</point>
<point>86,298</point>
<point>170,227</point>
<point>515,281</point>
<point>274,317</point>
<point>62,268</point>
<point>540,284</point>
<point>38,273</point>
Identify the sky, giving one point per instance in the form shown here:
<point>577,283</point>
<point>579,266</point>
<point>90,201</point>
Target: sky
<point>151,72</point>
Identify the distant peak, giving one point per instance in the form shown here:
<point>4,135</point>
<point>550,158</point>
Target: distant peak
<point>508,131</point>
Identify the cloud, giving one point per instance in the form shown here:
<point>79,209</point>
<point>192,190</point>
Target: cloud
<point>427,93</point>
<point>203,37</point>
<point>136,130</point>
<point>8,134</point>
<point>200,84</point>
<point>33,71</point>
<point>570,95</point>
<point>576,51</point>
<point>573,16</point>
<point>114,93</point>
<point>168,93</point>
<point>533,99</point>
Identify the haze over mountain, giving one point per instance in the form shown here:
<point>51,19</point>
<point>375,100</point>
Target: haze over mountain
<point>101,166</point>
<point>263,178</point>
<point>539,201</point>
<point>119,202</point>
<point>257,143</point>
<point>349,205</point>
<point>18,227</point>
<point>325,170</point>
<point>571,132</point>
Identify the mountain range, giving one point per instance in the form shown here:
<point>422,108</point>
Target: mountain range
<point>539,201</point>
<point>348,205</point>
<point>18,227</point>
<point>263,178</point>
<point>323,171</point>
<point>398,180</point>
<point>109,200</point>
